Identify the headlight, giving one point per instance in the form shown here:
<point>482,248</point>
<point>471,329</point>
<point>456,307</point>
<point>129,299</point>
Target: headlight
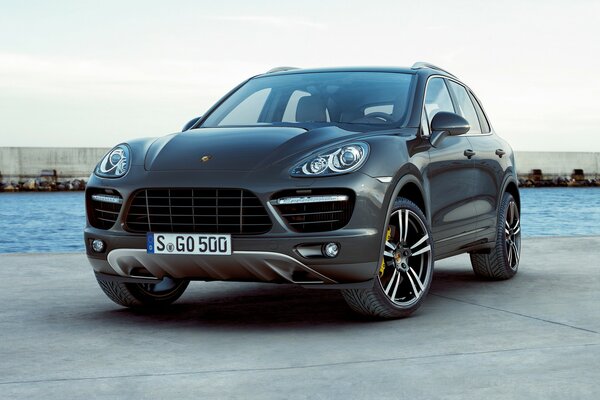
<point>337,160</point>
<point>115,164</point>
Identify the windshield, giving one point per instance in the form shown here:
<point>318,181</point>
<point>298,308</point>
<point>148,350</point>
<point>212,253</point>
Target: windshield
<point>369,98</point>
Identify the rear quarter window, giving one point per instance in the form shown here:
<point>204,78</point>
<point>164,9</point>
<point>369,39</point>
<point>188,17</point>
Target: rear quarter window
<point>485,125</point>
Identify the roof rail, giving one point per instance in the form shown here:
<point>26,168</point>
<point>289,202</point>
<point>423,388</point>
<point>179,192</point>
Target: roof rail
<point>280,69</point>
<point>421,64</point>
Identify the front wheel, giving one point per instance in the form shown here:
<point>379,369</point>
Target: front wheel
<point>137,295</point>
<point>503,260</point>
<point>406,268</point>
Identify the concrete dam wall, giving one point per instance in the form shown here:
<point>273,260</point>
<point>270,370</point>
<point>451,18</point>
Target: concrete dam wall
<point>21,163</point>
<point>554,164</point>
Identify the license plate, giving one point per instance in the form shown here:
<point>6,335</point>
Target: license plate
<point>201,244</point>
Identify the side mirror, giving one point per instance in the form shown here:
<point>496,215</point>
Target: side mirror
<point>190,123</point>
<point>447,124</point>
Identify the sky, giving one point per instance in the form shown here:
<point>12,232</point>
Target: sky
<point>96,73</point>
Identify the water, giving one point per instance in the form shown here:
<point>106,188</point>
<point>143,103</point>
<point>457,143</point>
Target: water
<point>560,211</point>
<point>53,222</point>
<point>41,222</point>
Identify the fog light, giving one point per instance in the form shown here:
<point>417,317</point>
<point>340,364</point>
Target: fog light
<point>98,246</point>
<point>331,250</point>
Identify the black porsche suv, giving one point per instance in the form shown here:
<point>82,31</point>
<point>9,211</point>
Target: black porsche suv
<point>348,178</point>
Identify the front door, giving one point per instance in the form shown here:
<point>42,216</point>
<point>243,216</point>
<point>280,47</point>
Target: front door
<point>450,177</point>
<point>489,160</point>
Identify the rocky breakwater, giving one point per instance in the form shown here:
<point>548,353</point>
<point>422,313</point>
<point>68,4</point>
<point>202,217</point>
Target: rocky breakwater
<point>537,178</point>
<point>46,181</point>
<point>34,185</point>
<point>40,185</point>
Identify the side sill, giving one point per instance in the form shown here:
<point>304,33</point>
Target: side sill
<point>355,285</point>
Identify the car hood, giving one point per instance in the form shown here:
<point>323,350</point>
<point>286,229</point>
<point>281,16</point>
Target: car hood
<point>242,148</point>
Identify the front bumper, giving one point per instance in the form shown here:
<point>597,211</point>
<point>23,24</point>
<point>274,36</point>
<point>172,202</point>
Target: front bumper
<point>269,257</point>
<point>264,259</point>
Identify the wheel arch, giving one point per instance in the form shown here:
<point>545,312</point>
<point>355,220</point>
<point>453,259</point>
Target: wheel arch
<point>511,186</point>
<point>408,186</point>
<point>413,192</point>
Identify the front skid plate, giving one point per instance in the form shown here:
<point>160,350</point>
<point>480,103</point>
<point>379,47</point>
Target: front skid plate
<point>241,265</point>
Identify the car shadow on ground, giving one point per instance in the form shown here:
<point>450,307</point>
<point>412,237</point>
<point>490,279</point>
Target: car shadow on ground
<point>252,305</point>
<point>239,305</point>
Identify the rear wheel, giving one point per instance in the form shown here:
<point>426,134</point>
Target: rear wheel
<point>503,260</point>
<point>143,294</point>
<point>406,268</point>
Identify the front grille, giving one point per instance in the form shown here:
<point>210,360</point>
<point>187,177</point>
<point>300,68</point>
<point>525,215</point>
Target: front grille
<point>318,216</point>
<point>103,207</point>
<point>234,211</point>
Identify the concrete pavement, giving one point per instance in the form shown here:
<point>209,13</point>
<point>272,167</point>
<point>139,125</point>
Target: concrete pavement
<point>536,336</point>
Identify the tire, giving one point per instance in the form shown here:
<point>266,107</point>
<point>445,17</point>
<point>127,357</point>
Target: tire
<point>404,276</point>
<point>503,260</point>
<point>140,295</point>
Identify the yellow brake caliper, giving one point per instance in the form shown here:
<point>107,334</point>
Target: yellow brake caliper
<point>388,235</point>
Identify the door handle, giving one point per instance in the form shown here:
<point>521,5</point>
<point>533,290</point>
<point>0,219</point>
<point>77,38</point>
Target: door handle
<point>469,153</point>
<point>500,152</point>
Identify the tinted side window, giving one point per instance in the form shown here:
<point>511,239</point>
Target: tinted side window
<point>485,125</point>
<point>465,106</point>
<point>437,98</point>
